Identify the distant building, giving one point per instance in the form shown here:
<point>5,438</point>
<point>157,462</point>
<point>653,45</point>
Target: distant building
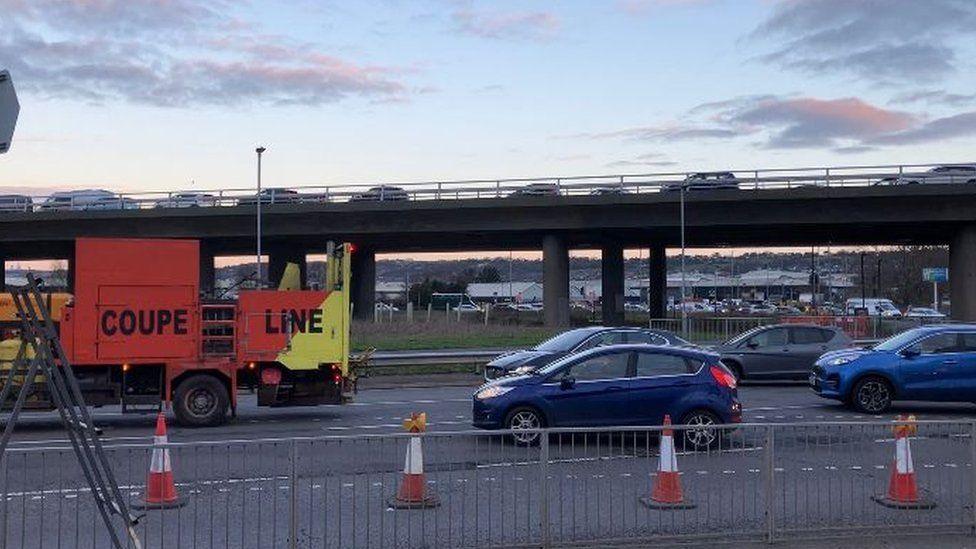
<point>501,292</point>
<point>763,284</point>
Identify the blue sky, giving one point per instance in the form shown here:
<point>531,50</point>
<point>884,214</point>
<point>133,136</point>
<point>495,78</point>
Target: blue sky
<point>145,95</point>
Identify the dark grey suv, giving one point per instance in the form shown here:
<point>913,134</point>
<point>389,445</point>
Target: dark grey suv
<point>780,351</point>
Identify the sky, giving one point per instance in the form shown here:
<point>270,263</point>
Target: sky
<point>135,95</point>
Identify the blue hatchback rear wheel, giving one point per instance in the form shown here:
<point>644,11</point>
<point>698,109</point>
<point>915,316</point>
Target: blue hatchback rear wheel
<point>700,434</point>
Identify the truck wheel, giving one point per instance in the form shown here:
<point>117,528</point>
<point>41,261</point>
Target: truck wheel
<point>201,401</point>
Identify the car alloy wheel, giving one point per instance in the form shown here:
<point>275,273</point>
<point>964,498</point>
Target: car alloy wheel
<point>702,437</point>
<point>525,420</point>
<point>873,396</point>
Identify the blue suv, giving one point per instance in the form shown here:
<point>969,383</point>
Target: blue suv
<point>933,363</point>
<point>615,385</point>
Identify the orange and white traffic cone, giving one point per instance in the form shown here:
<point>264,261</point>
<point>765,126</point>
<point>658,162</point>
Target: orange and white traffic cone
<point>160,489</point>
<point>903,492</point>
<point>413,492</point>
<point>666,492</point>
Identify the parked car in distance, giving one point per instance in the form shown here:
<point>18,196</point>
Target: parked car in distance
<point>787,310</point>
<point>529,307</point>
<point>271,196</point>
<point>186,200</point>
<point>761,309</point>
<point>467,308</point>
<point>609,190</point>
<point>575,341</point>
<point>872,306</point>
<point>611,386</point>
<point>932,363</point>
<point>949,174</point>
<point>923,312</point>
<point>704,181</point>
<point>16,203</point>
<point>780,351</point>
<point>383,193</point>
<point>86,199</point>
<point>537,189</point>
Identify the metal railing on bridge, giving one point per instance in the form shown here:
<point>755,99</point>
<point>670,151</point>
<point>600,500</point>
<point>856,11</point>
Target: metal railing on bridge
<point>584,185</point>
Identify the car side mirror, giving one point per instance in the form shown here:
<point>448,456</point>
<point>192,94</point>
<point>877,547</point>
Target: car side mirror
<point>567,383</point>
<point>752,345</point>
<point>909,353</point>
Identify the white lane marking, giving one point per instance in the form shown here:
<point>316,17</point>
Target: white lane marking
<point>404,402</point>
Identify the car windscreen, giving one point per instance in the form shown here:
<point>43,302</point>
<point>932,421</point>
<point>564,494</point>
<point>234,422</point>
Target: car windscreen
<point>896,342</point>
<point>556,365</point>
<point>563,342</point>
<point>742,337</point>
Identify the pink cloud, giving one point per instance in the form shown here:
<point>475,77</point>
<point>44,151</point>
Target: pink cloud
<point>508,25</point>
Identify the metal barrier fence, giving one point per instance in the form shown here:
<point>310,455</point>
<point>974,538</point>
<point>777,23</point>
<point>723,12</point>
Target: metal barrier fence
<point>745,179</point>
<point>711,330</point>
<point>575,487</point>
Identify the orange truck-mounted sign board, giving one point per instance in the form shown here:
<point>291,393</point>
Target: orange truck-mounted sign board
<point>138,329</point>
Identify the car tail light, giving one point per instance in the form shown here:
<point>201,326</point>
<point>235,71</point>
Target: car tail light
<point>722,376</point>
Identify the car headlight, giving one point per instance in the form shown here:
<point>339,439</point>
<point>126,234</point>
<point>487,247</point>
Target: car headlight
<point>492,392</point>
<point>838,361</point>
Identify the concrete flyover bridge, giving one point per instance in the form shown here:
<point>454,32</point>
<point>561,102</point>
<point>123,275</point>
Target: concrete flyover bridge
<point>867,205</point>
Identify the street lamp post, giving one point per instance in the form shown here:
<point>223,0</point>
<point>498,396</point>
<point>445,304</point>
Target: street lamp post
<point>684,310</point>
<point>257,201</point>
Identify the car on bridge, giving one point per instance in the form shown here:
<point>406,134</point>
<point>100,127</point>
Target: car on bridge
<point>16,203</point>
<point>87,199</point>
<point>618,385</point>
<point>186,200</point>
<point>780,351</point>
<point>575,341</point>
<point>382,193</point>
<point>537,189</point>
<point>931,363</point>
<point>949,174</point>
<point>271,196</point>
<point>704,181</point>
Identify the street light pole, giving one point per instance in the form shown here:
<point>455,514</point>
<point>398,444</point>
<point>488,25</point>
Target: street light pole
<point>259,150</point>
<point>684,310</point>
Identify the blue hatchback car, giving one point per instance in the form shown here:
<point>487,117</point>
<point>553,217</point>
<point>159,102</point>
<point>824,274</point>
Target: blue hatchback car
<point>932,363</point>
<point>614,386</point>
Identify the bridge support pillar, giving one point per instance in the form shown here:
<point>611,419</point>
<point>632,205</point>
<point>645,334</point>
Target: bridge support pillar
<point>363,284</point>
<point>279,256</point>
<point>657,287</point>
<point>612,283</point>
<point>962,274</point>
<point>555,280</point>
<point>208,273</point>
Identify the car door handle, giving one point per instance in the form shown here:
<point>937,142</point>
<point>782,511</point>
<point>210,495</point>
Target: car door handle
<point>950,362</point>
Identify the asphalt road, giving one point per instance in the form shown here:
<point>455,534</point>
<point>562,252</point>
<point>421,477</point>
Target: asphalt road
<point>448,408</point>
<point>243,486</point>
